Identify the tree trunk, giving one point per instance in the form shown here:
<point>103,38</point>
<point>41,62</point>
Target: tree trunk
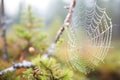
<point>5,54</point>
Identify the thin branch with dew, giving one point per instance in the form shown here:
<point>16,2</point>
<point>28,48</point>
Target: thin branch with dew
<point>66,23</point>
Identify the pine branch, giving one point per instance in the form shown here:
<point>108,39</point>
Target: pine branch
<point>66,24</point>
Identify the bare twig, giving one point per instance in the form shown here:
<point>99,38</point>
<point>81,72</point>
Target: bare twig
<point>5,54</point>
<point>66,23</point>
<point>24,64</point>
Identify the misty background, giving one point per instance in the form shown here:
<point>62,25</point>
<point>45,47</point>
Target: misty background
<point>48,10</point>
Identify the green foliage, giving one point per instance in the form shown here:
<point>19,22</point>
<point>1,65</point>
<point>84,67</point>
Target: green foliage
<point>23,33</point>
<point>47,69</point>
<point>8,76</point>
<point>29,32</point>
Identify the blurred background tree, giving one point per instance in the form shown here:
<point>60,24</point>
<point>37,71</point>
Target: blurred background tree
<point>30,38</point>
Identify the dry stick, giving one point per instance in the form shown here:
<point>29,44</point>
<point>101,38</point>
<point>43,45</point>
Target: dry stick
<point>66,23</point>
<point>27,64</point>
<point>5,54</point>
<point>24,64</point>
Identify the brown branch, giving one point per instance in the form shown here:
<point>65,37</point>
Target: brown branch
<point>25,52</point>
<point>66,23</point>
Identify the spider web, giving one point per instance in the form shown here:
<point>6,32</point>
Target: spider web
<point>89,36</point>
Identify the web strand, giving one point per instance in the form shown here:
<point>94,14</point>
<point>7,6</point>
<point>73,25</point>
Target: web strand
<point>89,35</point>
